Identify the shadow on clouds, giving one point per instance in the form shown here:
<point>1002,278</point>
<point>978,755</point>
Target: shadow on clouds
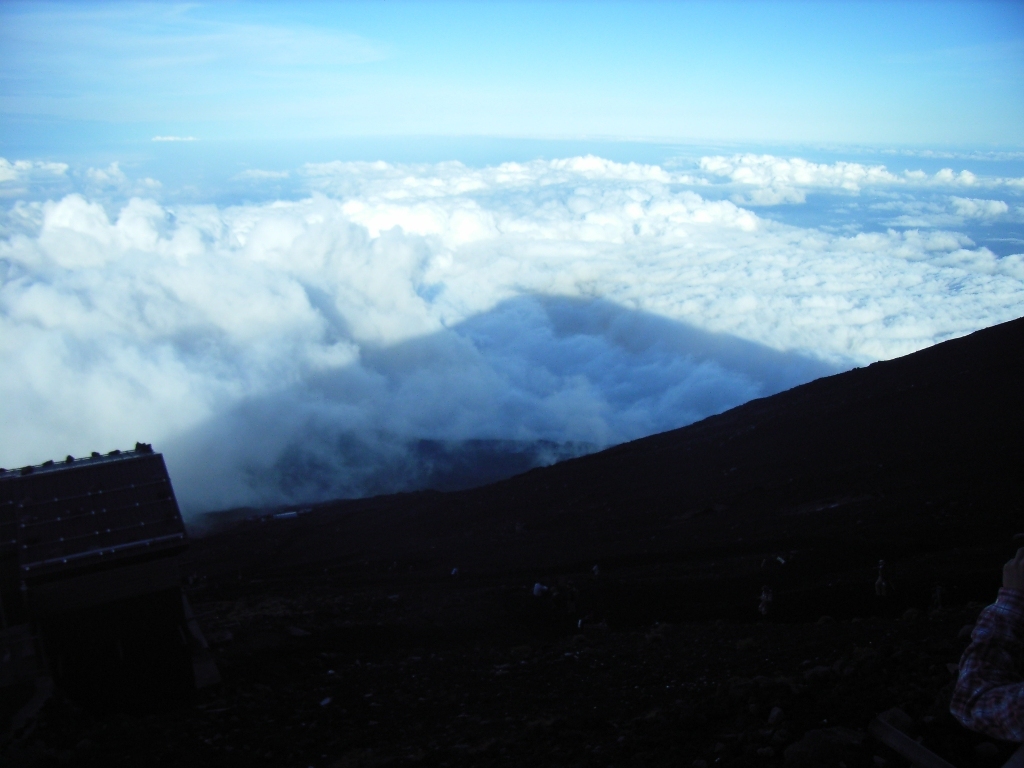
<point>533,381</point>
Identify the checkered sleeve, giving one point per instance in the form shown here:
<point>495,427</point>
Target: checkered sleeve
<point>989,695</point>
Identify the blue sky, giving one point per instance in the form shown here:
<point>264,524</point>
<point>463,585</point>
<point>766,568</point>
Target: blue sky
<point>286,244</point>
<point>865,72</point>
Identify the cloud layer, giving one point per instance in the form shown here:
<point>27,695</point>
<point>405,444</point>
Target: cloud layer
<point>771,180</point>
<point>305,348</point>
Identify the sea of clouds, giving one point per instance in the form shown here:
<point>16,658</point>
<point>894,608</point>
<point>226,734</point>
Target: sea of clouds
<point>349,338</point>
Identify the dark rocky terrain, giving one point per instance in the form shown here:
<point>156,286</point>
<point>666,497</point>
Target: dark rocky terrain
<point>345,639</point>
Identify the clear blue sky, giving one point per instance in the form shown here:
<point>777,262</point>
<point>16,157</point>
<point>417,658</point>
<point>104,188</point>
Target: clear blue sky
<point>869,72</point>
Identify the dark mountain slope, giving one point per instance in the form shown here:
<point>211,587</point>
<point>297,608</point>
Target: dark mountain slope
<point>344,640</point>
<point>916,460</point>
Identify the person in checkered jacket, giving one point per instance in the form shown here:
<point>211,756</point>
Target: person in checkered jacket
<point>989,694</point>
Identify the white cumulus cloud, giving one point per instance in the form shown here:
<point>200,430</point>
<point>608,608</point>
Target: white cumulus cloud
<point>302,348</point>
<point>112,175</point>
<point>973,208</point>
<point>949,211</point>
<point>771,180</point>
<point>23,169</point>
<point>771,171</point>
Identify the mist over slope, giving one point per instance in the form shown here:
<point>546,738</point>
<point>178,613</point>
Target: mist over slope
<point>536,380</point>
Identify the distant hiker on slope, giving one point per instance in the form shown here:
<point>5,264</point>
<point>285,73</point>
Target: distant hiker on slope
<point>881,585</point>
<point>937,598</point>
<point>989,695</point>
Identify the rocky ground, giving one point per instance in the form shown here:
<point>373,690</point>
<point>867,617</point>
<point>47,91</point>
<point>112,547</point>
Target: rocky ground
<point>324,673</point>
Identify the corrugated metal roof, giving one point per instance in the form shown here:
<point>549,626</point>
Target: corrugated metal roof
<point>65,516</point>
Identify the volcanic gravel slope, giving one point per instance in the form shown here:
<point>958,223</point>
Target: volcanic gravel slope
<point>344,638</point>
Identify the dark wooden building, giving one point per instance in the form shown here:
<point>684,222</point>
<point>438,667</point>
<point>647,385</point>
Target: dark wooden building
<point>88,568</point>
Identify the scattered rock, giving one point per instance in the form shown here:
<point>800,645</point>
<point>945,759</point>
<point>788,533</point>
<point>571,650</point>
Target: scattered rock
<point>775,716</point>
<point>898,719</point>
<point>219,637</point>
<point>780,737</point>
<point>824,746</point>
<point>738,689</point>
<point>818,673</point>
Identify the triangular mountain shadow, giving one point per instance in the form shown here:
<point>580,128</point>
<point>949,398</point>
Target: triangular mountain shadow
<point>535,380</point>
<point>915,461</point>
